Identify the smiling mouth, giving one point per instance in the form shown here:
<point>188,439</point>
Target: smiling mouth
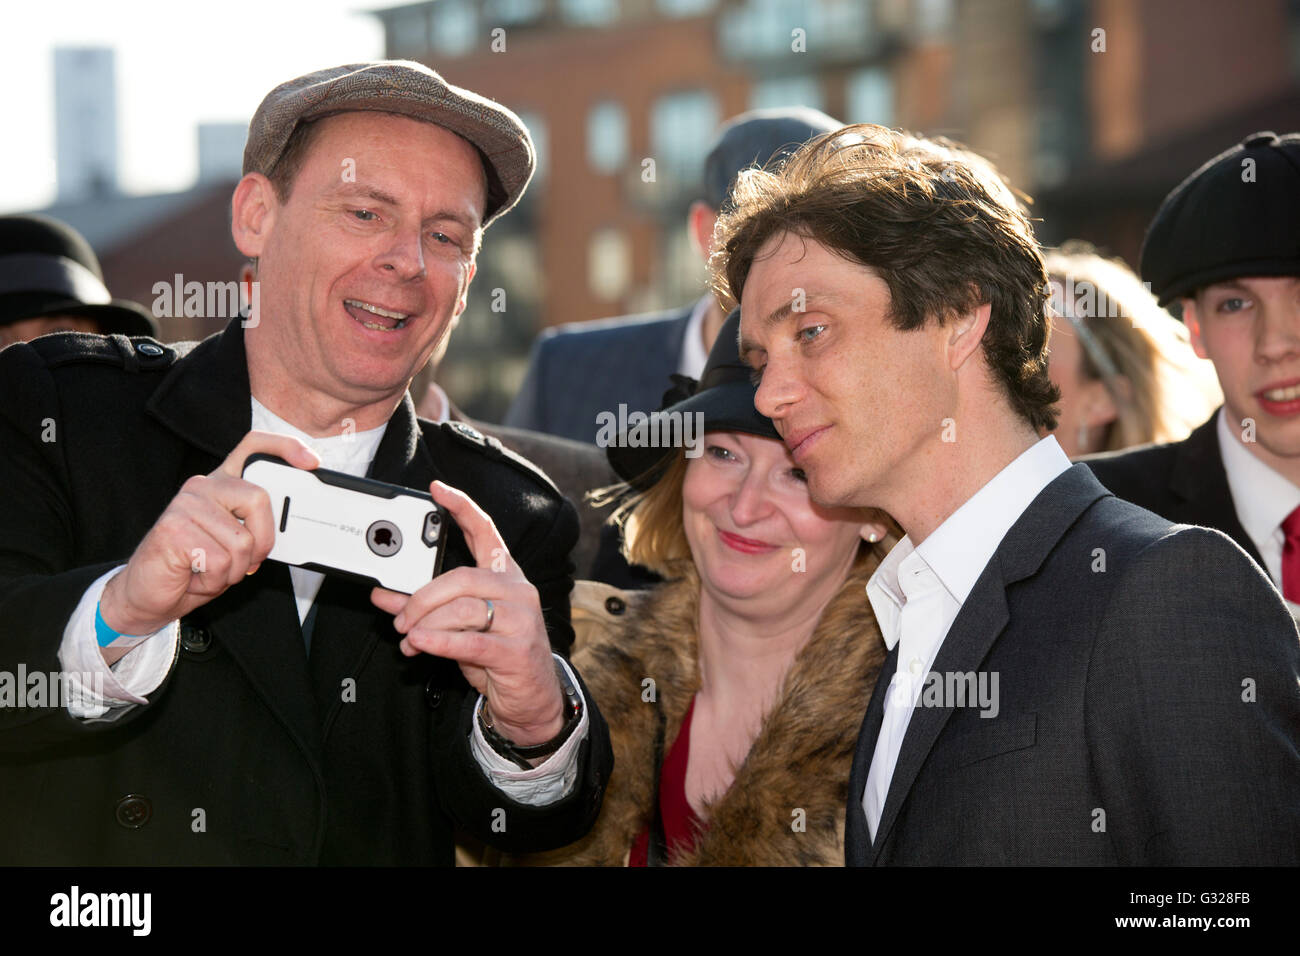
<point>1287,394</point>
<point>373,317</point>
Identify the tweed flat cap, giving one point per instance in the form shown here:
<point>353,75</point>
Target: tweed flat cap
<point>1236,216</point>
<point>410,89</point>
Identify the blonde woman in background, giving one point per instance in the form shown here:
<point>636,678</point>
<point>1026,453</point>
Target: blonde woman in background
<point>1125,367</point>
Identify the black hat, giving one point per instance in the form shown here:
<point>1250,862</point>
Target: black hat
<point>723,397</point>
<point>755,139</point>
<point>48,268</point>
<point>1238,215</point>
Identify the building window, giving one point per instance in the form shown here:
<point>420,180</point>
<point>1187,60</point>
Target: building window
<point>537,130</point>
<point>786,91</point>
<point>607,137</point>
<point>407,33</point>
<point>609,264</point>
<point>589,12</point>
<point>452,28</point>
<point>682,126</point>
<point>685,8</point>
<point>513,12</point>
<point>869,97</point>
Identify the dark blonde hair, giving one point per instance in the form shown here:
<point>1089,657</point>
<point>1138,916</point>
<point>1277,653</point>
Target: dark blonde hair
<point>1124,333</point>
<point>933,219</point>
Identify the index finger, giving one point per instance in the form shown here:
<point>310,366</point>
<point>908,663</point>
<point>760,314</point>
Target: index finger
<point>287,447</point>
<point>481,534</point>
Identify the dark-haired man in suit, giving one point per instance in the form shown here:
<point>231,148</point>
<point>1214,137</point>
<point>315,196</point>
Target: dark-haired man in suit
<point>1071,679</point>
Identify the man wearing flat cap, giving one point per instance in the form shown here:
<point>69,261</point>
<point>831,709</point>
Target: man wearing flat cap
<point>50,281</point>
<point>1225,246</point>
<point>222,708</point>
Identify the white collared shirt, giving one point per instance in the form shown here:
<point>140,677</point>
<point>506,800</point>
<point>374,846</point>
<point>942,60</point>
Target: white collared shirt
<point>918,591</point>
<point>1262,499</point>
<point>694,354</point>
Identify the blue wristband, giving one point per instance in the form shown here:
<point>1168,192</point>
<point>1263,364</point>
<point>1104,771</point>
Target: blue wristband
<point>105,635</point>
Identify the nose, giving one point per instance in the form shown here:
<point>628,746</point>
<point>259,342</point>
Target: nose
<point>750,502</point>
<point>1277,334</point>
<point>404,254</point>
<point>778,391</point>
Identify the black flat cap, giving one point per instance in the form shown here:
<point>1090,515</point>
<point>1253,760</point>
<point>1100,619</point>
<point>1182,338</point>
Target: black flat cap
<point>723,397</point>
<point>1238,215</point>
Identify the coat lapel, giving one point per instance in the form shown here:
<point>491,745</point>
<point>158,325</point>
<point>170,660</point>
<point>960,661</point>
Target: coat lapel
<point>348,627</point>
<point>205,401</point>
<point>982,618</point>
<point>1198,479</point>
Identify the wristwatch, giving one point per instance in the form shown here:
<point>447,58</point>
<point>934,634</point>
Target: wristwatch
<point>522,755</point>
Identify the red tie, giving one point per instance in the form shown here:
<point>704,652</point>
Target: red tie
<point>1291,557</point>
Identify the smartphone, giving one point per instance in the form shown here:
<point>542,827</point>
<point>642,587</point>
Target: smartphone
<point>359,528</point>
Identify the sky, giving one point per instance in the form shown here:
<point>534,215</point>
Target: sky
<point>179,63</point>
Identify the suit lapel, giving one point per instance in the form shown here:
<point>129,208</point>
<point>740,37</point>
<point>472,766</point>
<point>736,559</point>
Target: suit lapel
<point>983,617</point>
<point>1199,480</point>
<point>857,835</point>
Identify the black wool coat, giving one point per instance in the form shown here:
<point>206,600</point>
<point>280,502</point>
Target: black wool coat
<point>97,434</point>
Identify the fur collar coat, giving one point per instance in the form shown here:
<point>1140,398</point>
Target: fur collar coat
<point>637,652</point>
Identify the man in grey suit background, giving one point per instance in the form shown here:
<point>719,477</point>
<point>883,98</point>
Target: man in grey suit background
<point>581,369</point>
<point>1071,679</point>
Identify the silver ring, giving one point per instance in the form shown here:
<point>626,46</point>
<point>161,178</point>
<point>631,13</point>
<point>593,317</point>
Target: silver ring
<point>487,625</point>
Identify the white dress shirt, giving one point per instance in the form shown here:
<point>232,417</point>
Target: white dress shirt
<point>1262,499</point>
<point>694,355</point>
<point>142,669</point>
<point>918,591</point>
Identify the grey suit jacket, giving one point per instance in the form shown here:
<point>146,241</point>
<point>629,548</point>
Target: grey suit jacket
<point>577,371</point>
<point>1147,710</point>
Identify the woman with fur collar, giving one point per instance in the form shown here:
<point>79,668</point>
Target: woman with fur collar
<point>734,691</point>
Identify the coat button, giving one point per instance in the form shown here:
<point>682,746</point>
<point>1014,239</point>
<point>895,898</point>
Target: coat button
<point>615,605</point>
<point>149,349</point>
<point>194,639</point>
<point>133,811</point>
<point>432,694</point>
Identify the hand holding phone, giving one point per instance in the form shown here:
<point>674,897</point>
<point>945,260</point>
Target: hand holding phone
<point>360,528</point>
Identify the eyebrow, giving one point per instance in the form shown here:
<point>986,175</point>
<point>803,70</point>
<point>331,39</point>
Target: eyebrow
<point>783,312</point>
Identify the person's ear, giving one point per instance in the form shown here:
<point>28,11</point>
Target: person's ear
<point>1192,319</point>
<point>1099,407</point>
<point>253,211</point>
<point>464,296</point>
<point>701,220</point>
<point>965,332</point>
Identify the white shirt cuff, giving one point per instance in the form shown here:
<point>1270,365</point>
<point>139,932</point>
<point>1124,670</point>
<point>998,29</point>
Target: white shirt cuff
<point>546,783</point>
<point>96,691</point>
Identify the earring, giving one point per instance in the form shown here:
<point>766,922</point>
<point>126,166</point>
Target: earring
<point>1081,438</point>
<point>873,537</point>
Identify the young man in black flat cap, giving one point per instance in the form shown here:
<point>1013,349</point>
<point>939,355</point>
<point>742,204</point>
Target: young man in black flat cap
<point>1225,245</point>
<point>236,710</point>
<point>50,281</point>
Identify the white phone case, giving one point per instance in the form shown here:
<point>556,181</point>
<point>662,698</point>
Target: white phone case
<point>336,523</point>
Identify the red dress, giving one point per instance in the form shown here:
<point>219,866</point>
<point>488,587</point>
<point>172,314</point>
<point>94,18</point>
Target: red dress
<point>682,827</point>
